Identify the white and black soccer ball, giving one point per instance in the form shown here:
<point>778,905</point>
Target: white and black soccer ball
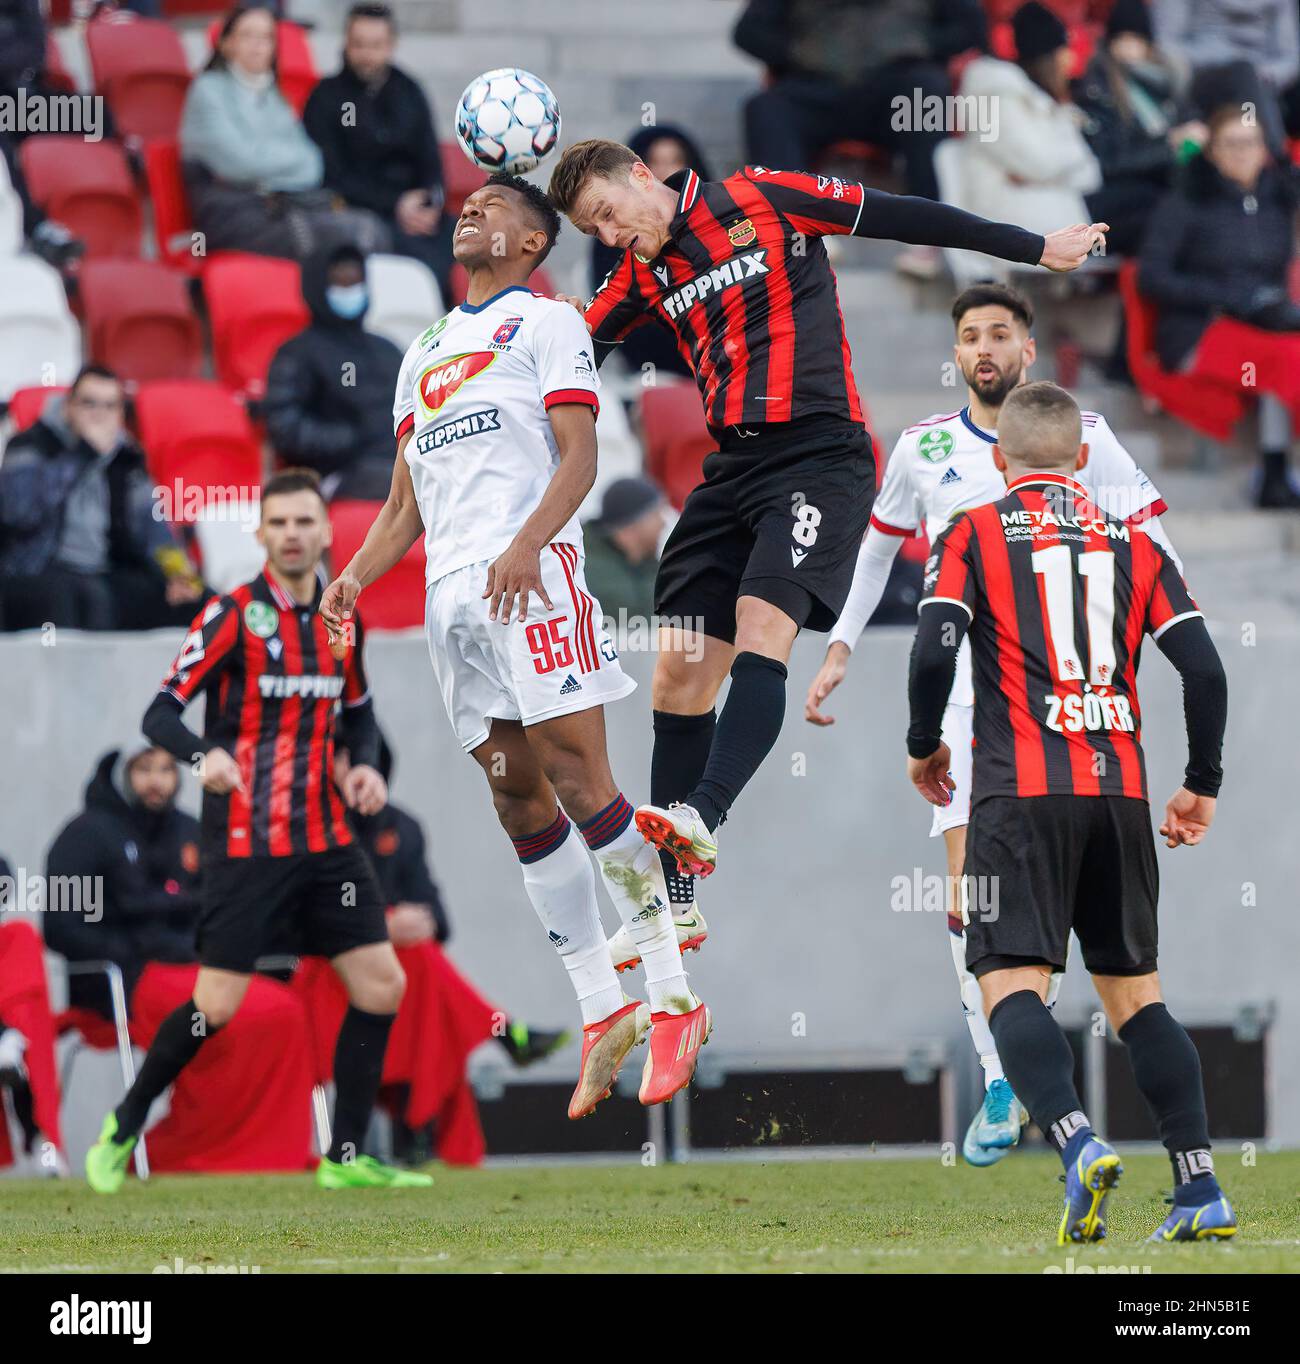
<point>508,120</point>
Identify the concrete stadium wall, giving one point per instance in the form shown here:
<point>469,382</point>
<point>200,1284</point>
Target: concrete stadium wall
<point>800,909</point>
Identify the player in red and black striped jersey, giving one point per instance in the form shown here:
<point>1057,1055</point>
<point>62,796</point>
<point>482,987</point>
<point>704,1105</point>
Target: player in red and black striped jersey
<point>1057,598</point>
<point>766,544</point>
<point>275,841</point>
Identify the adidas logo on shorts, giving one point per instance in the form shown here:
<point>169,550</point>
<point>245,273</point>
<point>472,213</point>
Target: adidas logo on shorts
<point>571,684</point>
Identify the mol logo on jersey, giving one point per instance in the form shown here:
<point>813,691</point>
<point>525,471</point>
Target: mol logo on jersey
<point>723,277</point>
<point>437,384</point>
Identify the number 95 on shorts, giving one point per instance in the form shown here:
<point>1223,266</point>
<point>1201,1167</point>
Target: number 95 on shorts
<point>554,663</point>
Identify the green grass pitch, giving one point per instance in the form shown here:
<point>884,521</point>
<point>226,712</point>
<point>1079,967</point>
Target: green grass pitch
<point>860,1215</point>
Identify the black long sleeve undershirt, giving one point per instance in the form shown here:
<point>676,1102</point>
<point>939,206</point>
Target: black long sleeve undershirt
<point>940,629</point>
<point>1187,645</point>
<point>359,734</point>
<point>162,725</point>
<point>927,222</point>
<point>1190,649</point>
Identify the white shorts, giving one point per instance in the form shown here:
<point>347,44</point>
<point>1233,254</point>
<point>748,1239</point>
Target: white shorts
<point>957,733</point>
<point>554,663</point>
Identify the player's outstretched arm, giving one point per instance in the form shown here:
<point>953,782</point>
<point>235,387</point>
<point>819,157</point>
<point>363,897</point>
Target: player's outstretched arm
<point>1190,810</point>
<point>394,531</point>
<point>871,573</point>
<point>1068,247</point>
<point>518,572</point>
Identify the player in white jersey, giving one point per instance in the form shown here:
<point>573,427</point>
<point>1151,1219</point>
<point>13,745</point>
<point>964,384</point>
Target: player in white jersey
<point>940,467</point>
<point>495,420</point>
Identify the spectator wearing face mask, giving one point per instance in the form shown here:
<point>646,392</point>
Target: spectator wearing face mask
<point>329,392</point>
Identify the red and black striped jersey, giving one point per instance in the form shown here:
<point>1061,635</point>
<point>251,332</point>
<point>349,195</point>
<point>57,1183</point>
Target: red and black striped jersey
<point>745,285</point>
<point>273,689</point>
<point>1060,597</point>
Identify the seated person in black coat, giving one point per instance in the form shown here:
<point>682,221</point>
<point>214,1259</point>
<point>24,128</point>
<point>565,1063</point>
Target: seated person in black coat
<point>145,851</point>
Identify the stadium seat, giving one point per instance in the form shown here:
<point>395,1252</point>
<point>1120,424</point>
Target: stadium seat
<point>228,551</point>
<point>199,444</point>
<point>255,304</point>
<point>460,178</point>
<point>676,438</point>
<point>57,75</point>
<point>395,601</point>
<point>404,298</point>
<point>295,66</point>
<point>28,403</point>
<point>40,341</point>
<point>1211,410</point>
<point>88,187</point>
<point>172,225</point>
<point>139,320</point>
<point>139,68</point>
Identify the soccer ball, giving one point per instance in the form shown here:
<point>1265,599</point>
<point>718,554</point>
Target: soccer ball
<point>508,120</point>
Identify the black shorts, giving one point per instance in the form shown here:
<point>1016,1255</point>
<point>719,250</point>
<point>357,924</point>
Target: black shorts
<point>1039,866</point>
<point>780,515</point>
<point>317,904</point>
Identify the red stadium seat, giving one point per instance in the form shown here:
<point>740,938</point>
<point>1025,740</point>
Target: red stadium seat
<point>460,178</point>
<point>676,438</point>
<point>197,438</point>
<point>87,186</point>
<point>139,67</point>
<point>26,404</point>
<point>140,320</point>
<point>172,225</point>
<point>395,601</point>
<point>1209,409</point>
<point>255,304</point>
<point>294,64</point>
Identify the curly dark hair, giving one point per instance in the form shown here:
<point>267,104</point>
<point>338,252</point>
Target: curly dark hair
<point>541,210</point>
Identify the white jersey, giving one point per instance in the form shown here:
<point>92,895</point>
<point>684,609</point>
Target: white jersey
<point>474,389</point>
<point>943,466</point>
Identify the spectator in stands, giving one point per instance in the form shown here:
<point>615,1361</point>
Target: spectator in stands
<point>1038,168</point>
<point>375,131</point>
<point>836,68</point>
<point>80,542</point>
<point>1238,53</point>
<point>1216,261</point>
<point>253,174</point>
<point>329,391</point>
<point>1137,126</point>
<point>666,149</point>
<point>622,547</point>
<point>146,853</point>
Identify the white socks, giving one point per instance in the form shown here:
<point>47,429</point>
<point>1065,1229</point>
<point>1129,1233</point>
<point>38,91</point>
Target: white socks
<point>560,883</point>
<point>634,877</point>
<point>972,1004</point>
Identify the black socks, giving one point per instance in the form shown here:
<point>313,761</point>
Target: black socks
<point>748,728</point>
<point>681,750</point>
<point>1168,1072</point>
<point>175,1045</point>
<point>358,1068</point>
<point>1040,1066</point>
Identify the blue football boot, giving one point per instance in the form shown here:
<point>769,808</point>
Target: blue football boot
<point>1088,1181</point>
<point>995,1128</point>
<point>1213,1220</point>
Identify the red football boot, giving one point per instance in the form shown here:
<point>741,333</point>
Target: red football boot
<point>675,1042</point>
<point>605,1046</point>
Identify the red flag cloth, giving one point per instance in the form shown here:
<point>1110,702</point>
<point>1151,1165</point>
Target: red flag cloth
<point>25,1005</point>
<point>244,1102</point>
<point>442,1019</point>
<point>1228,346</point>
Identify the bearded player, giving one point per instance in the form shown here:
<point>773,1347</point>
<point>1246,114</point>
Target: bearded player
<point>938,469</point>
<point>275,841</point>
<point>495,420</point>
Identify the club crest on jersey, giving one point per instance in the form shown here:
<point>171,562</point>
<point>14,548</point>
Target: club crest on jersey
<point>440,381</point>
<point>262,620</point>
<point>741,233</point>
<point>504,334</point>
<point>935,446</point>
